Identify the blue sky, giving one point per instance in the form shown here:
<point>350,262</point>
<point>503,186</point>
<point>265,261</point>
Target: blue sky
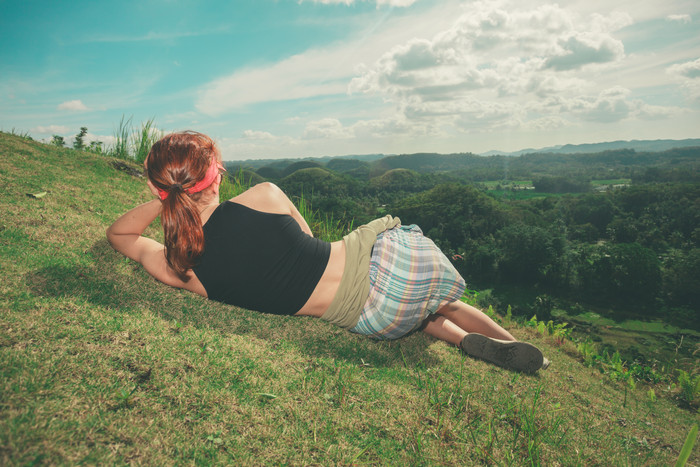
<point>272,79</point>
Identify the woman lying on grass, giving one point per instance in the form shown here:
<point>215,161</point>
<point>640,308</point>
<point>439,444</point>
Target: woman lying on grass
<point>256,251</point>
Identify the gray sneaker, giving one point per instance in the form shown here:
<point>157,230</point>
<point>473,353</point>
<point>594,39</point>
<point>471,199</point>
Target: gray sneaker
<point>512,355</point>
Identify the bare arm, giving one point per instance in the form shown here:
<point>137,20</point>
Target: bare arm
<point>125,230</point>
<point>125,236</point>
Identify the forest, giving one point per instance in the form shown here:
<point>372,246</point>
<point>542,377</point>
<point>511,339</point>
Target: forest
<point>617,231</point>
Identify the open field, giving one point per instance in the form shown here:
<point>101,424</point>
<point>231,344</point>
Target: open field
<point>617,181</point>
<point>658,343</point>
<point>522,194</point>
<point>492,184</point>
<point>102,365</point>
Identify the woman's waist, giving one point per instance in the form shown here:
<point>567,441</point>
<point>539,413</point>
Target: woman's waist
<point>327,286</point>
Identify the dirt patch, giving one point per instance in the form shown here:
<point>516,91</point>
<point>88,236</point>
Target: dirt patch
<point>129,169</point>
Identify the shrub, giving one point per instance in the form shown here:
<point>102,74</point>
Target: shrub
<point>58,141</point>
<point>689,387</point>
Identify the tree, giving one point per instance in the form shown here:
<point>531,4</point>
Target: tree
<point>453,213</point>
<point>623,273</point>
<point>57,140</point>
<point>597,210</point>
<point>79,142</point>
<point>529,253</point>
<point>682,277</point>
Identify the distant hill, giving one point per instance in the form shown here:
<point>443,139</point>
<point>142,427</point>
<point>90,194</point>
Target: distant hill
<point>658,145</point>
<point>283,163</point>
<point>597,162</point>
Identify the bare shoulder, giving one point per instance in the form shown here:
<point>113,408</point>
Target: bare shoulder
<point>265,197</point>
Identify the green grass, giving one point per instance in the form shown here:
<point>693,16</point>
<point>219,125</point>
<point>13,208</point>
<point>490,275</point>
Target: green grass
<point>100,364</point>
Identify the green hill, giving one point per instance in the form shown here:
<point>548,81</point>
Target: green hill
<point>314,180</point>
<point>100,364</point>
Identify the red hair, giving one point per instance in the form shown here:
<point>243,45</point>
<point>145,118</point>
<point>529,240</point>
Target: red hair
<point>174,165</point>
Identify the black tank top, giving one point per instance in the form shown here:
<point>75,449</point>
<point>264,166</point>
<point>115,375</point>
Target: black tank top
<point>259,261</point>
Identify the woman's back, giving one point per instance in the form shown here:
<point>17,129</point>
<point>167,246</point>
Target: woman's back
<point>259,260</point>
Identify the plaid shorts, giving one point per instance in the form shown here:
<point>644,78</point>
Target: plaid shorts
<point>409,278</point>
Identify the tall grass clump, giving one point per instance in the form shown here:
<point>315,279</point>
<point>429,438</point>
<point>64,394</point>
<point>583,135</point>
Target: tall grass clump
<point>322,225</point>
<point>132,143</point>
<point>233,185</point>
<point>144,139</point>
<point>121,139</point>
<point>22,134</point>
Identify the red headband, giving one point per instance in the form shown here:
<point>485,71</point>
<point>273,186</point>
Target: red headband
<point>209,177</point>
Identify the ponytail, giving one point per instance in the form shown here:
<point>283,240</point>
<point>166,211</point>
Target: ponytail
<point>182,228</point>
<point>179,166</point>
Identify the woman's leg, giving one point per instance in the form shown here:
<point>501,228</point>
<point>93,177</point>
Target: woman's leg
<point>471,319</point>
<point>481,337</point>
<point>443,329</point>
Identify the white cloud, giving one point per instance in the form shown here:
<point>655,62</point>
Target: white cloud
<point>76,105</point>
<point>389,127</point>
<point>688,74</point>
<point>548,123</point>
<point>326,136</point>
<point>106,140</point>
<point>317,72</point>
<point>258,135</point>
<point>292,120</point>
<point>244,148</point>
<point>485,45</point>
<point>585,49</point>
<point>301,76</point>
<point>51,129</point>
<point>483,71</point>
<point>685,19</point>
<point>327,128</point>
<point>688,70</point>
<point>611,105</point>
<point>494,65</point>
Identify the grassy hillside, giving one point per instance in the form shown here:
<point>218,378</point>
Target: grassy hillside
<point>101,364</point>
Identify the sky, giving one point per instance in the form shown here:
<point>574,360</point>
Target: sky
<point>305,78</point>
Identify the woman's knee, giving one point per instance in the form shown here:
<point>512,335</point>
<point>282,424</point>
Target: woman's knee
<point>447,308</point>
